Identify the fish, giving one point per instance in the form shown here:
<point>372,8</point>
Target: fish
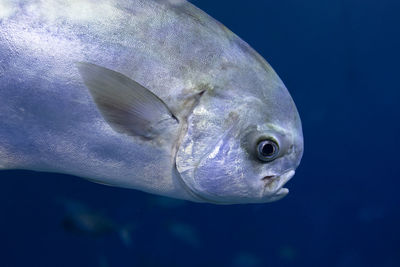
<point>82,220</point>
<point>185,233</point>
<point>153,95</point>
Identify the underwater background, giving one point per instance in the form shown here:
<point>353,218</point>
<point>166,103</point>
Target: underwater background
<point>341,63</point>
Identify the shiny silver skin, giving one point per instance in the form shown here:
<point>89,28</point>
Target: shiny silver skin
<point>225,95</point>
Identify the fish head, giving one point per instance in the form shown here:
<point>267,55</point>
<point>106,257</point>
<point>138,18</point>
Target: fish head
<point>241,148</point>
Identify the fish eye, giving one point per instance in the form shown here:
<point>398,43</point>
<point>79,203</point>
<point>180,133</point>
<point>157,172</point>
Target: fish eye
<point>267,150</point>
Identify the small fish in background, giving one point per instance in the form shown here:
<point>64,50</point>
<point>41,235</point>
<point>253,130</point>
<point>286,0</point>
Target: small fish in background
<point>288,253</point>
<point>246,259</point>
<point>82,220</point>
<point>185,233</point>
<point>103,262</point>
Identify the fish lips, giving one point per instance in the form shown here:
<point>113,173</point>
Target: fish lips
<point>273,185</point>
<point>272,190</point>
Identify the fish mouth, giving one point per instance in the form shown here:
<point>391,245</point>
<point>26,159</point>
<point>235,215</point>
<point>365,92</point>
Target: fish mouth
<point>273,184</point>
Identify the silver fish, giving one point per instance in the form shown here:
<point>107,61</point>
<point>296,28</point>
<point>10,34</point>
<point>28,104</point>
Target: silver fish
<point>153,95</point>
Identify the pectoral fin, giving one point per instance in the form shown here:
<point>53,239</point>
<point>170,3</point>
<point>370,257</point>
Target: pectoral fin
<point>126,105</point>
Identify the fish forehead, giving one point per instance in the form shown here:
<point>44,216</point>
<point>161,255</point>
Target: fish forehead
<point>263,98</point>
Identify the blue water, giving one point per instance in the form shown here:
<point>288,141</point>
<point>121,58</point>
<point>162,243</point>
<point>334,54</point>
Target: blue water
<point>340,61</point>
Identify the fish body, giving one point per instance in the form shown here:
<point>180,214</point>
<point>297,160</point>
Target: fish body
<point>153,95</point>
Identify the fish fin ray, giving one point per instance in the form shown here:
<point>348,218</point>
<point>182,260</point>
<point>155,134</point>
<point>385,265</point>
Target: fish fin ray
<point>127,106</point>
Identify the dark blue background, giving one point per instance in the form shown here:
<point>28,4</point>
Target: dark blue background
<point>340,61</point>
